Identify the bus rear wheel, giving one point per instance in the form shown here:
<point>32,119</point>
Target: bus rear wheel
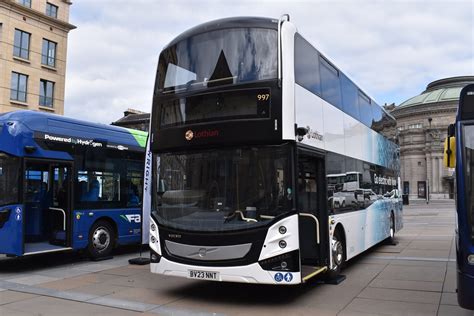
<point>101,239</point>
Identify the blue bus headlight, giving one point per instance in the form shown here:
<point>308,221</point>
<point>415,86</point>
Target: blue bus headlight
<point>470,259</point>
<point>286,262</point>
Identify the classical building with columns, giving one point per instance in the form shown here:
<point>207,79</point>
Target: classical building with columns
<point>422,123</point>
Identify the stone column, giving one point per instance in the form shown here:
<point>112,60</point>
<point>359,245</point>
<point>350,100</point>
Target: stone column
<point>429,170</point>
<point>440,178</point>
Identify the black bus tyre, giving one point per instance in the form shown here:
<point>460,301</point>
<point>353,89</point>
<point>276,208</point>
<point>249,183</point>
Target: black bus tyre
<point>391,237</point>
<point>101,239</point>
<point>338,255</point>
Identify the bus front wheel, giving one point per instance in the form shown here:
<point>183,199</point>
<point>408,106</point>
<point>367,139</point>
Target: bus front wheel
<point>391,237</point>
<point>101,239</point>
<point>338,254</point>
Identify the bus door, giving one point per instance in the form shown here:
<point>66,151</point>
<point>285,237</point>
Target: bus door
<point>47,205</point>
<point>11,209</point>
<point>311,186</point>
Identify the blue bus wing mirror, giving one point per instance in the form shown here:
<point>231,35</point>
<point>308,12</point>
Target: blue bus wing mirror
<point>449,159</point>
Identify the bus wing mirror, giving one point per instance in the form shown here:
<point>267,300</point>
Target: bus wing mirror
<point>449,159</point>
<point>451,130</point>
<point>161,187</point>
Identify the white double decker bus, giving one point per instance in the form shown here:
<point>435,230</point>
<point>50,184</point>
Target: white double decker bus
<point>249,122</point>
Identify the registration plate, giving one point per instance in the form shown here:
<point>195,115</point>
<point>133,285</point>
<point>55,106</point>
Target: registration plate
<point>203,275</point>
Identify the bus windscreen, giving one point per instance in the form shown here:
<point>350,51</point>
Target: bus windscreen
<point>217,58</point>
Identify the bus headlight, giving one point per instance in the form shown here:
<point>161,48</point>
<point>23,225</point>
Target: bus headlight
<point>470,259</point>
<point>154,240</point>
<point>282,230</point>
<point>286,262</point>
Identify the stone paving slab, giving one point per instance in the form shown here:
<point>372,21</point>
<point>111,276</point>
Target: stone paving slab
<point>148,296</point>
<point>54,306</point>
<point>412,273</point>
<point>408,285</point>
<point>167,311</point>
<point>61,273</point>
<point>99,289</point>
<point>64,285</point>
<point>450,281</point>
<point>401,295</point>
<point>449,299</point>
<point>10,296</point>
<point>95,267</point>
<point>384,307</point>
<point>450,310</point>
<point>430,245</point>
<point>32,279</point>
<point>11,312</point>
<point>122,304</point>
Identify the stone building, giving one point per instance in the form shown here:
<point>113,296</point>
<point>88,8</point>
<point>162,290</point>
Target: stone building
<point>422,123</point>
<point>33,47</point>
<point>134,119</point>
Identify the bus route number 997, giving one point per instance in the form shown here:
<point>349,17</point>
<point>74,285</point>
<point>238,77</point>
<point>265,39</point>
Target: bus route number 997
<point>263,97</point>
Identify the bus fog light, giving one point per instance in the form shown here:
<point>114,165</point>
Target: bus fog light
<point>153,227</point>
<point>153,239</point>
<point>154,257</point>
<point>289,261</point>
<point>282,244</point>
<point>282,230</point>
<point>470,259</point>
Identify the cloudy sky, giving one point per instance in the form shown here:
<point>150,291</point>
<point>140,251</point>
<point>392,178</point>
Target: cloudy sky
<point>391,49</point>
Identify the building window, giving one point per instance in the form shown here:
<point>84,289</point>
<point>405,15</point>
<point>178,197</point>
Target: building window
<point>19,86</point>
<point>51,10</point>
<point>21,45</point>
<point>46,93</point>
<point>413,126</point>
<point>400,128</point>
<point>48,53</point>
<point>26,3</point>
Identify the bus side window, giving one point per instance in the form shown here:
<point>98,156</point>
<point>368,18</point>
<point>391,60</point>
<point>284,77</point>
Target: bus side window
<point>134,184</point>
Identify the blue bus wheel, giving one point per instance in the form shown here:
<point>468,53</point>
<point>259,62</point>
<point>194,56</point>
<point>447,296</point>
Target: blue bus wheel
<point>101,239</point>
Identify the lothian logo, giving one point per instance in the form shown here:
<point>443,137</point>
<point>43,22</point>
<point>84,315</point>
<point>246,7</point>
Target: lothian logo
<point>189,135</point>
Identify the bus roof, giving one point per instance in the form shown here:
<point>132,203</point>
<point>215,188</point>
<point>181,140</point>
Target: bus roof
<point>31,123</point>
<point>234,22</point>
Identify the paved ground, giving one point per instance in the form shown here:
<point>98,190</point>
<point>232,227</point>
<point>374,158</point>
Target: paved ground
<point>416,277</point>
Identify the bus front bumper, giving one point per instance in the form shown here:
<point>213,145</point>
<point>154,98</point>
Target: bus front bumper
<point>252,273</point>
<point>465,290</point>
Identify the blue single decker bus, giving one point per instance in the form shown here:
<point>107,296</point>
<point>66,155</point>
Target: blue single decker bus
<point>67,184</point>
<point>459,154</point>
